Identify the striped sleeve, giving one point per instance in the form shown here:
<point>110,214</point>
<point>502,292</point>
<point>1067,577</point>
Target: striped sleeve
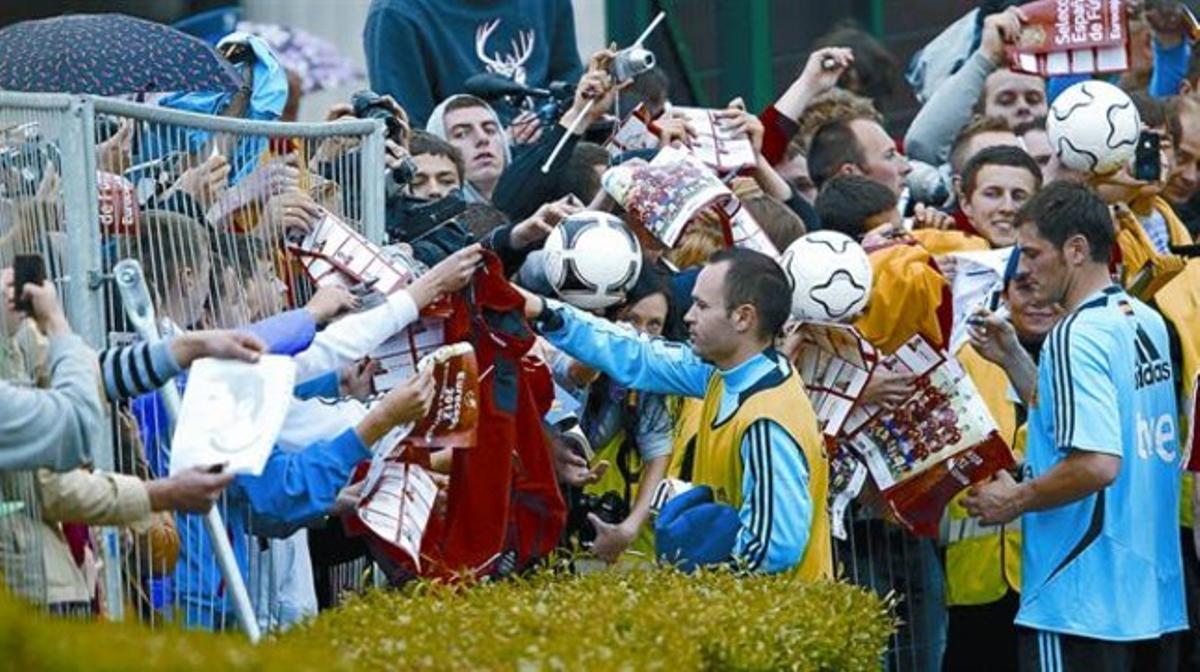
<point>776,512</point>
<point>1084,392</point>
<point>133,370</point>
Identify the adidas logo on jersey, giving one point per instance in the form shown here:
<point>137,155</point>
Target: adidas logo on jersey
<point>1157,372</point>
<point>1151,368</point>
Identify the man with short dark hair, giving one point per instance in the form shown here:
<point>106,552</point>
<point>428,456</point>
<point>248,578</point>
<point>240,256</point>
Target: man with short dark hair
<point>1102,583</point>
<point>994,184</point>
<point>440,170</point>
<point>758,450</point>
<point>174,251</point>
<point>857,147</point>
<point>854,205</point>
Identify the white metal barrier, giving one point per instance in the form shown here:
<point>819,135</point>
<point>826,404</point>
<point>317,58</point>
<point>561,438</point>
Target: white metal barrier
<point>202,202</point>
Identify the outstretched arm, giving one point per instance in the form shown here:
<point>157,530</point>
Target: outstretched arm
<point>633,361</point>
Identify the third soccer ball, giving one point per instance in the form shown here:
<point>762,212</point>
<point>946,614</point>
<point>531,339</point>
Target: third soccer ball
<point>830,276</point>
<point>1093,127</point>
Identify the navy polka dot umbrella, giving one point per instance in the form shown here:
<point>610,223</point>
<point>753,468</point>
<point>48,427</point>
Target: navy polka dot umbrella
<point>109,55</point>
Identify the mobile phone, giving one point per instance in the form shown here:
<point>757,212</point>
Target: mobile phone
<point>27,268</point>
<point>1147,160</point>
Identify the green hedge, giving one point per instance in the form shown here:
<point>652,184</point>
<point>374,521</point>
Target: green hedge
<point>605,621</point>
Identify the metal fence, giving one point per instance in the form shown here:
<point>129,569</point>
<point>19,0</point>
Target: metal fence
<point>204,204</point>
<point>41,206</point>
<point>883,557</point>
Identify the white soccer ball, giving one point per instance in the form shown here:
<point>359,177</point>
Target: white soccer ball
<point>830,276</point>
<point>592,259</point>
<point>1094,127</point>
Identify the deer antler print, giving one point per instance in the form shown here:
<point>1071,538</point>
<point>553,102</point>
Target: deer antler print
<point>511,65</point>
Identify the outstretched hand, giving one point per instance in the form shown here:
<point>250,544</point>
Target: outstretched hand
<point>219,344</point>
<point>993,337</point>
<point>448,276</point>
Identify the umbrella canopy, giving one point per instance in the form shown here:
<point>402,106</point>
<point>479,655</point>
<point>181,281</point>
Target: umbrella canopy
<point>109,55</point>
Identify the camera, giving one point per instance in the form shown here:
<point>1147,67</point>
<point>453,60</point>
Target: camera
<point>370,105</point>
<point>553,106</point>
<point>405,172</point>
<point>610,507</point>
<point>631,62</point>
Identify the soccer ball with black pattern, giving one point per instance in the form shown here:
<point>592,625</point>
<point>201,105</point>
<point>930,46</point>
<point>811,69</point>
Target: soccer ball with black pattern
<point>830,276</point>
<point>1094,127</point>
<point>592,259</point>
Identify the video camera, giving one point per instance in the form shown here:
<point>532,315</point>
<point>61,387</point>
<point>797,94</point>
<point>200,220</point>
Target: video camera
<point>549,104</point>
<point>411,219</point>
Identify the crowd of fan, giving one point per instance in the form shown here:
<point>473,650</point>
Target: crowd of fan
<point>968,170</point>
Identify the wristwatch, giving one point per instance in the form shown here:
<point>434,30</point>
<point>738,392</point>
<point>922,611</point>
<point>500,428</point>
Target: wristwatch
<point>547,319</point>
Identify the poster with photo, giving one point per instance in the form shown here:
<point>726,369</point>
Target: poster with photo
<point>918,454</point>
<point>835,362</point>
<point>940,440</point>
<point>665,194</point>
<point>335,255</point>
<point>634,134</point>
<point>231,414</point>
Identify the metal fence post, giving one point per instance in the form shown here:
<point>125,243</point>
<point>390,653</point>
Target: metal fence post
<point>372,178</point>
<point>81,217</point>
<point>84,300</point>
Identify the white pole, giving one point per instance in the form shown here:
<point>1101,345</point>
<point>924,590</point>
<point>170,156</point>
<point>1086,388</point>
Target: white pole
<point>588,108</point>
<point>566,136</point>
<point>140,311</point>
<point>649,29</point>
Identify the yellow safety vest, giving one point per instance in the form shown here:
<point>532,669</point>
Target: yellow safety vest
<point>1178,301</point>
<point>984,562</point>
<point>686,412</point>
<point>717,460</point>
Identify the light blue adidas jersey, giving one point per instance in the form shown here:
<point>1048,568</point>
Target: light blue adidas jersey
<point>1107,566</point>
